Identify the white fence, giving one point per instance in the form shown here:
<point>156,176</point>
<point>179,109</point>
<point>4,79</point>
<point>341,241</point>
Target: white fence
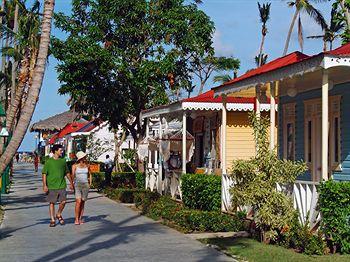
<point>304,193</point>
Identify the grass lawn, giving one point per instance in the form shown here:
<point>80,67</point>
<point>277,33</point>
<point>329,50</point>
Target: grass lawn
<point>246,249</point>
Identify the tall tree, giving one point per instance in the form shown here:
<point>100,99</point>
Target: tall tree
<point>121,57</point>
<point>203,68</point>
<point>260,59</point>
<point>332,31</point>
<point>264,12</point>
<point>34,91</point>
<point>303,6</point>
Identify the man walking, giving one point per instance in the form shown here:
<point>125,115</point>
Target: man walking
<point>108,170</point>
<point>54,183</point>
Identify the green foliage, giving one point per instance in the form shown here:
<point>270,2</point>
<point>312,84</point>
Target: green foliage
<point>123,180</point>
<point>256,179</point>
<point>130,156</point>
<point>144,199</point>
<point>334,202</point>
<point>202,221</point>
<point>98,180</point>
<point>188,220</point>
<point>140,180</point>
<point>301,238</point>
<point>97,147</point>
<point>124,195</point>
<point>121,57</point>
<point>201,191</point>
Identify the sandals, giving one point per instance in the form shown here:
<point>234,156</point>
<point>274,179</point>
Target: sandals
<point>52,223</point>
<point>60,219</point>
<point>77,223</point>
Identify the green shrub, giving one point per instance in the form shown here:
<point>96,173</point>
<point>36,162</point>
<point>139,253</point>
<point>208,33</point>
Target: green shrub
<point>98,180</point>
<point>334,202</point>
<point>164,208</point>
<point>213,221</point>
<point>301,238</point>
<point>124,195</point>
<point>201,191</point>
<point>123,180</point>
<point>140,180</point>
<point>144,199</point>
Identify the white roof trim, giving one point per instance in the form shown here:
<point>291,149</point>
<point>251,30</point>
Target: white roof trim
<point>201,106</point>
<point>74,134</point>
<point>161,110</point>
<point>334,61</point>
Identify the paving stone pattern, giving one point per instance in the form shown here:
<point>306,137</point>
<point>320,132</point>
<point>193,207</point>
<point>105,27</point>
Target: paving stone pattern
<point>112,232</point>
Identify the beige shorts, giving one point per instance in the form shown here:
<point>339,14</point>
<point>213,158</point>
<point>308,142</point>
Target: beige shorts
<point>56,195</point>
<point>81,191</point>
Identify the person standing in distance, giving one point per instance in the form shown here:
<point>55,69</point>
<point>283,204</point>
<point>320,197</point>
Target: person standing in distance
<point>108,170</point>
<point>54,183</point>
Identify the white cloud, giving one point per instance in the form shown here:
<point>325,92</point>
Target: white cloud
<point>221,48</point>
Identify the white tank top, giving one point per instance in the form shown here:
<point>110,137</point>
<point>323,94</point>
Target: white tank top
<point>81,174</point>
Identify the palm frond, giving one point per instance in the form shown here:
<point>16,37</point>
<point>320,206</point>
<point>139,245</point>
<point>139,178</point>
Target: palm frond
<point>300,34</point>
<point>222,78</point>
<point>314,13</point>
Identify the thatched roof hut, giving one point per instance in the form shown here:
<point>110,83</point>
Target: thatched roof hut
<point>55,123</point>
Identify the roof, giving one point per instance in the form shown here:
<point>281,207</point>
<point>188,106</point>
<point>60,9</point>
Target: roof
<point>286,61</point>
<point>344,50</point>
<point>208,97</point>
<point>69,128</point>
<point>90,126</point>
<point>278,63</point>
<point>55,123</point>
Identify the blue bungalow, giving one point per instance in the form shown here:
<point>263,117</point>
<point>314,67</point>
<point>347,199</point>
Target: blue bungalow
<point>313,108</point>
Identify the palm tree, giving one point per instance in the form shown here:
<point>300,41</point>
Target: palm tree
<point>332,31</point>
<point>345,9</point>
<point>303,6</point>
<point>221,79</point>
<point>34,91</point>
<point>264,12</point>
<point>25,51</point>
<point>261,59</point>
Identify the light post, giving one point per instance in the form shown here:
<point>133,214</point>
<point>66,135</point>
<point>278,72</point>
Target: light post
<point>5,180</point>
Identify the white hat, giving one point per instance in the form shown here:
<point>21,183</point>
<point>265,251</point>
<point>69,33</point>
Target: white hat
<point>80,155</point>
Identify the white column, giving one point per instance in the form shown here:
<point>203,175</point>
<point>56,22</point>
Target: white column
<point>147,127</point>
<point>223,136</point>
<point>184,141</point>
<point>273,88</point>
<point>160,159</point>
<point>325,125</point>
<point>257,100</point>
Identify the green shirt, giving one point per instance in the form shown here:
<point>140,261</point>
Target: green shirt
<point>55,170</point>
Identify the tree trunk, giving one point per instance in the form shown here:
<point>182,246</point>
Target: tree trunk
<point>34,91</point>
<point>290,32</point>
<point>14,62</point>
<point>346,13</point>
<point>261,50</point>
<point>201,88</point>
<point>118,144</point>
<point>16,101</point>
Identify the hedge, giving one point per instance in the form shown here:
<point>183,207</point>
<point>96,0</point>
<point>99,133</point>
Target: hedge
<point>124,195</point>
<point>201,191</point>
<point>334,202</point>
<point>119,180</point>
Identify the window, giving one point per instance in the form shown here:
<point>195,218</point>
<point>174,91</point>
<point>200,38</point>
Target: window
<point>334,131</point>
<point>289,131</point>
<point>309,139</point>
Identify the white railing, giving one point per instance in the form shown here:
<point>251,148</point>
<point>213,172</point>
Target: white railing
<point>304,194</point>
<point>305,198</point>
<point>226,184</point>
<point>151,178</point>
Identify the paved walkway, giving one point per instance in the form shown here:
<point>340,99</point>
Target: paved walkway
<point>112,232</point>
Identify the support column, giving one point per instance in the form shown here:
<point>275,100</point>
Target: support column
<point>257,100</point>
<point>325,125</point>
<point>273,88</point>
<point>160,159</point>
<point>223,135</point>
<point>147,127</point>
<point>184,141</point>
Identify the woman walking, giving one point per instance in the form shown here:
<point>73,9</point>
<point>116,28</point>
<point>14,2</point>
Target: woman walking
<point>82,179</point>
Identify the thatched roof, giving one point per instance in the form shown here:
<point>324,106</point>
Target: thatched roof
<point>55,123</point>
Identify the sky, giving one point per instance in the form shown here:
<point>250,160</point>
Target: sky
<point>238,34</point>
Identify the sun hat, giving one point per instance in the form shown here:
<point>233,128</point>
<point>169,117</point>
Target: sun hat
<point>80,155</point>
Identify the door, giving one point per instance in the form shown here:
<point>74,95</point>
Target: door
<point>317,149</point>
